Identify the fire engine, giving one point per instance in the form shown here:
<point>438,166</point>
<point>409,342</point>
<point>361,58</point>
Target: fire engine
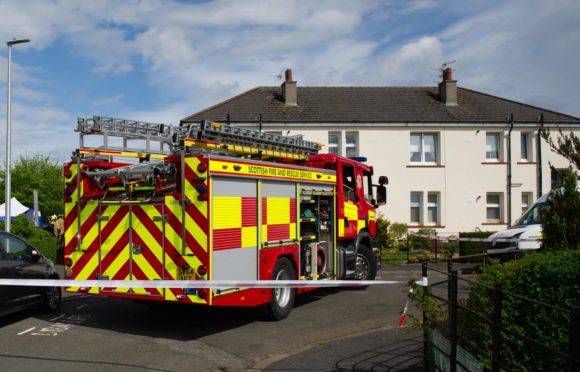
<point>210,201</point>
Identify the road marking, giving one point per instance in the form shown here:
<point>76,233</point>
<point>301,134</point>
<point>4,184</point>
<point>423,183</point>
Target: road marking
<point>57,318</point>
<point>58,328</point>
<point>28,330</point>
<point>80,307</point>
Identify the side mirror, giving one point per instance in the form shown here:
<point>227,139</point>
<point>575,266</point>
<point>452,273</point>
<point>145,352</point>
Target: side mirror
<point>383,180</point>
<point>34,255</point>
<point>381,195</point>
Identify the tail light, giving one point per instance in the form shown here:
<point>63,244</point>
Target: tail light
<point>202,270</point>
<point>68,261</point>
<point>202,293</point>
<point>201,168</point>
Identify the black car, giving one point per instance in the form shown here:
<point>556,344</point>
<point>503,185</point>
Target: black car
<point>20,260</point>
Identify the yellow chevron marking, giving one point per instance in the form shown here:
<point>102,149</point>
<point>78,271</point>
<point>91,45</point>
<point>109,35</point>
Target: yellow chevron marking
<point>199,235</point>
<point>191,191</point>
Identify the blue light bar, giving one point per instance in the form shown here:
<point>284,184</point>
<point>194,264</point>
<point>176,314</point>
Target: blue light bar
<point>361,159</point>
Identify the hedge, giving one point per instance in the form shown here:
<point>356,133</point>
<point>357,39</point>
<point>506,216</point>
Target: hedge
<point>471,248</point>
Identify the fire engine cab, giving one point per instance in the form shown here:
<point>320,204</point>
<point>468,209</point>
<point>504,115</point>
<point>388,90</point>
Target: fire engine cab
<point>209,201</point>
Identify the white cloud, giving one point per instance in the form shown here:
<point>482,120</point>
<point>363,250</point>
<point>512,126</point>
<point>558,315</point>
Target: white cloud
<point>108,101</point>
<point>412,64</point>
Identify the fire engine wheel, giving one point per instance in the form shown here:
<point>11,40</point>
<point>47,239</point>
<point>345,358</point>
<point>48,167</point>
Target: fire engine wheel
<point>51,299</point>
<point>366,267</point>
<point>282,299</point>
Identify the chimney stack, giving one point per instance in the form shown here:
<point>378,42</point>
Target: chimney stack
<point>448,88</point>
<point>289,92</point>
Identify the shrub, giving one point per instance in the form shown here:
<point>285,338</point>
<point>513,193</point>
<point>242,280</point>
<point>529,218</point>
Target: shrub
<point>398,230</point>
<point>22,227</point>
<point>561,220</point>
<point>549,277</point>
<point>44,242</point>
<point>471,248</point>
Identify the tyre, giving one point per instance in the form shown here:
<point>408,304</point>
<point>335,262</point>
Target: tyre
<point>51,299</point>
<point>282,299</point>
<point>366,264</point>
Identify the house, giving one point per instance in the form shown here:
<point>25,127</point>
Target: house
<point>457,159</point>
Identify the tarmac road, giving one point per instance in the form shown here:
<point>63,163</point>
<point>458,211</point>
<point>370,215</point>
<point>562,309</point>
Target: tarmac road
<point>329,329</point>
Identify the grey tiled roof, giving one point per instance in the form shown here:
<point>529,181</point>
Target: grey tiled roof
<point>374,105</point>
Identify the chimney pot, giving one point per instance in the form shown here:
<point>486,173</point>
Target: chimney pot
<point>447,74</point>
<point>289,74</point>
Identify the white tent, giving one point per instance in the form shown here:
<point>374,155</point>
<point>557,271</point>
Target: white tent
<point>16,209</point>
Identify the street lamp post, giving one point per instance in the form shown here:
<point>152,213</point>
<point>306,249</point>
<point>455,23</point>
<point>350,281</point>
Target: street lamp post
<point>8,137</point>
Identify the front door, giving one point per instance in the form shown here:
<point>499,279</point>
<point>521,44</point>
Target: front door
<point>132,245</point>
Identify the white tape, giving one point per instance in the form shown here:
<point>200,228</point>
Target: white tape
<point>452,238</point>
<point>200,283</point>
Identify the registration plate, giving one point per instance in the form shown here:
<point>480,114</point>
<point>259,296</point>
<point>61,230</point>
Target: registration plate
<point>185,273</point>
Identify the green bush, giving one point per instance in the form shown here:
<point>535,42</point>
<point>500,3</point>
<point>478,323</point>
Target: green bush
<point>45,242</point>
<point>548,277</point>
<point>471,248</point>
<point>561,220</point>
<point>22,227</point>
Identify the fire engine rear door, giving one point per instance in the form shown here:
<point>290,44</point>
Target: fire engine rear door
<point>132,245</point>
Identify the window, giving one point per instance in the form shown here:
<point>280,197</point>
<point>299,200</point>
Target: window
<point>348,182</point>
<point>416,208</point>
<point>15,248</point>
<point>433,208</point>
<point>525,146</point>
<point>526,200</point>
<point>424,148</point>
<point>494,210</point>
<point>351,144</point>
<point>334,143</point>
<point>492,147</point>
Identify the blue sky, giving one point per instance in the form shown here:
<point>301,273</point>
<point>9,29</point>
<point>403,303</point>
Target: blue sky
<point>162,60</point>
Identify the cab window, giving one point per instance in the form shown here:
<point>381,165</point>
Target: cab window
<point>368,181</point>
<point>348,182</point>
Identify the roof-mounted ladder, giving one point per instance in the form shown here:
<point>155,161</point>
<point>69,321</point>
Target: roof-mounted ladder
<point>158,135</point>
<point>255,143</point>
<point>193,135</point>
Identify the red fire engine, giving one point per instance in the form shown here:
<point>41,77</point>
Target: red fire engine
<point>214,202</point>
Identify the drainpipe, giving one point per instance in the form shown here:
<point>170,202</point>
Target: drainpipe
<point>539,156</point>
<point>510,120</point>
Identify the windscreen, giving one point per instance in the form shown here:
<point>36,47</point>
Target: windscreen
<point>533,216</point>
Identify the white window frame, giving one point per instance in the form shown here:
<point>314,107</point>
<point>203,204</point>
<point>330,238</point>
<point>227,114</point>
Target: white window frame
<point>433,206</point>
<point>422,145</point>
<point>526,149</point>
<point>337,145</point>
<point>489,151</point>
<point>418,206</point>
<point>530,200</point>
<point>349,145</point>
<point>493,205</point>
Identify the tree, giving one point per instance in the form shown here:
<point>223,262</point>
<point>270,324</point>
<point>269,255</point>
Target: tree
<point>567,146</point>
<point>561,220</point>
<point>22,227</point>
<point>399,230</point>
<point>36,173</point>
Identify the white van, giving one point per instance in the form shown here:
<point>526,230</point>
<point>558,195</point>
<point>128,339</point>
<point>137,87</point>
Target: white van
<point>528,227</point>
